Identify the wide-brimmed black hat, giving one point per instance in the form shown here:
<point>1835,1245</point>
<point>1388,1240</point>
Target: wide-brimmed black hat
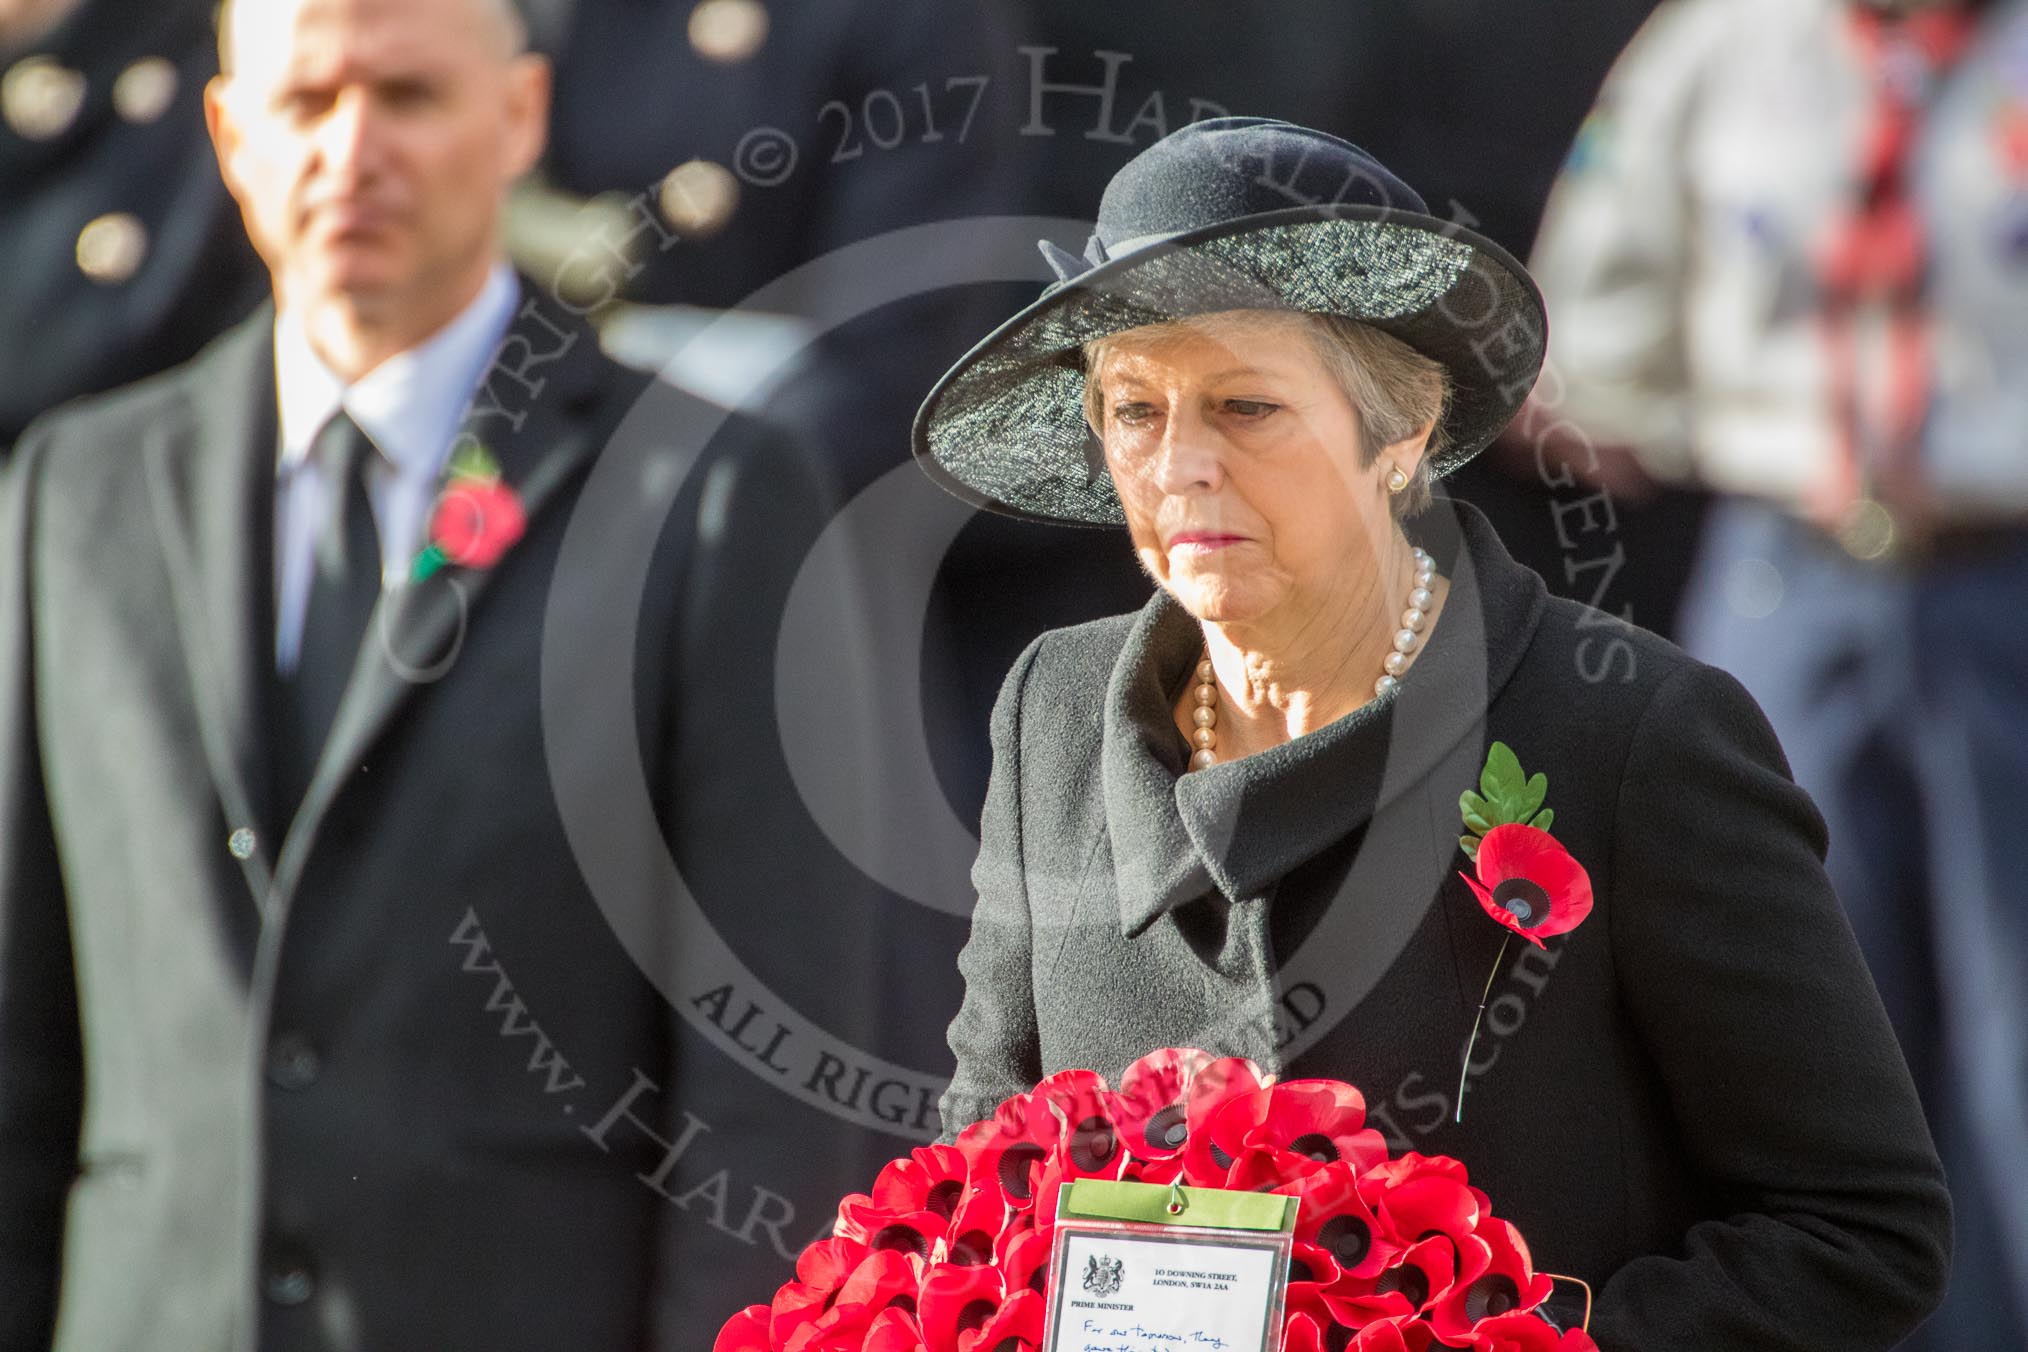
<point>1232,213</point>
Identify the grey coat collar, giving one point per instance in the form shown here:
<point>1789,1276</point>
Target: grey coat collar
<point>1238,827</point>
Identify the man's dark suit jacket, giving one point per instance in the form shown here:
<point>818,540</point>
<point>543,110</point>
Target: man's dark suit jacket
<point>317,1077</point>
<point>1692,1101</point>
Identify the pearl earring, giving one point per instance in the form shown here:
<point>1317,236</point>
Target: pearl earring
<point>1396,480</point>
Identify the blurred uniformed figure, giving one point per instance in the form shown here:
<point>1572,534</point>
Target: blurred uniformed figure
<point>769,133</point>
<point>1788,258</point>
<point>123,253</point>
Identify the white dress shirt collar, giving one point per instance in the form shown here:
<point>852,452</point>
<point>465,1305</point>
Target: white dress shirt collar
<point>410,405</point>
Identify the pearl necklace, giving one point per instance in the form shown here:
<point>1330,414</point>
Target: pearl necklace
<point>1414,619</point>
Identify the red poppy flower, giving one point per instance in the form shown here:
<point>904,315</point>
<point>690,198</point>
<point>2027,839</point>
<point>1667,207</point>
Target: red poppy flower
<point>1392,1173</point>
<point>1527,1333</point>
<point>821,1271</point>
<point>1089,1144</point>
<point>1509,1285</point>
<point>746,1331</point>
<point>1018,1326</point>
<point>1162,1172</point>
<point>1303,1331</point>
<point>1150,1110</point>
<point>973,1232</point>
<point>475,520</point>
<point>1024,1261</point>
<point>1392,1335</point>
<point>1430,1202</point>
<point>1312,1271</point>
<point>1529,883</point>
<point>1215,1084</point>
<point>915,1233</point>
<point>888,1278</point>
<point>1006,1150</point>
<point>1423,1275</point>
<point>1333,1216</point>
<point>1322,1119</point>
<point>932,1178</point>
<point>956,1301</point>
<point>893,1331</point>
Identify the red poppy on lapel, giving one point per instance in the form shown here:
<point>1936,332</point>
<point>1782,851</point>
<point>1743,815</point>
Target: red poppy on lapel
<point>475,519</point>
<point>1529,883</point>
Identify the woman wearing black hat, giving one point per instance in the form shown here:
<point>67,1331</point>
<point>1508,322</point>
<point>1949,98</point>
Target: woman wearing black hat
<point>1296,808</point>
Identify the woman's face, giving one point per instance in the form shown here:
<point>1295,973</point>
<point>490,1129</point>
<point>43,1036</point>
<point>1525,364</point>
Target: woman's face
<point>1236,456</point>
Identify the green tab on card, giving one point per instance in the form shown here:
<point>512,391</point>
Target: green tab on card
<point>1099,1199</point>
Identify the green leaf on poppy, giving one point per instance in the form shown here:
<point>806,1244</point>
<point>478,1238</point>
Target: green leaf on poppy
<point>1506,795</point>
<point>473,461</point>
<point>1502,779</point>
<point>426,563</point>
<point>1471,847</point>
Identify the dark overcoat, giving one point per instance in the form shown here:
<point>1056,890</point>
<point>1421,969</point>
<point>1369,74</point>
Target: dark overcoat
<point>1692,1101</point>
<point>386,1069</point>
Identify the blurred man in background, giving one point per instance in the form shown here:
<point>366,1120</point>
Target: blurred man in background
<point>286,893</point>
<point>1788,259</point>
<point>124,253</point>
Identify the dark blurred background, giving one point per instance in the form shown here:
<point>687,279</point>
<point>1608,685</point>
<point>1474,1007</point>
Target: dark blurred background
<point>122,256</point>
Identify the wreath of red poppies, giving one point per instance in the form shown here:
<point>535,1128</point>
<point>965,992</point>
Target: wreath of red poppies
<point>950,1250</point>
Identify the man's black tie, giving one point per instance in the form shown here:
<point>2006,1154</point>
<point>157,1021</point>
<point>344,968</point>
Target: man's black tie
<point>343,591</point>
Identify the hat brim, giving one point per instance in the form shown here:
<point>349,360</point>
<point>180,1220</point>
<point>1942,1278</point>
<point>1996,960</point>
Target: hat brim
<point>1004,428</point>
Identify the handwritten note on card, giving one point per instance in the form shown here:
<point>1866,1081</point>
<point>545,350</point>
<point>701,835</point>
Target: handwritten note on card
<point>1117,1291</point>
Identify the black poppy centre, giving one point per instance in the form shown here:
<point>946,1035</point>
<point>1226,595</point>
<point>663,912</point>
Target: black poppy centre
<point>1317,1146</point>
<point>942,1200</point>
<point>1167,1129</point>
<point>1346,1238</point>
<point>1492,1294</point>
<point>902,1239</point>
<point>1409,1280</point>
<point>1093,1144</point>
<point>1524,899</point>
<point>1015,1162</point>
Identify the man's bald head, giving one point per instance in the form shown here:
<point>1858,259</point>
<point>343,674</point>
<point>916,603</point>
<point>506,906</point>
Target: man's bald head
<point>500,19</point>
<point>371,144</point>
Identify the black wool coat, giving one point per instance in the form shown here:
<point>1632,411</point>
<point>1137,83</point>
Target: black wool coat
<point>1692,1101</point>
<point>385,1069</point>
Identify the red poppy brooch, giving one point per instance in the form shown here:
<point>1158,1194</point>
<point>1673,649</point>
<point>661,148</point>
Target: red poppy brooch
<point>1526,881</point>
<point>476,516</point>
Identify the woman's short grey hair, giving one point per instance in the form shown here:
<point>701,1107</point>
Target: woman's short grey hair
<point>1394,390</point>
